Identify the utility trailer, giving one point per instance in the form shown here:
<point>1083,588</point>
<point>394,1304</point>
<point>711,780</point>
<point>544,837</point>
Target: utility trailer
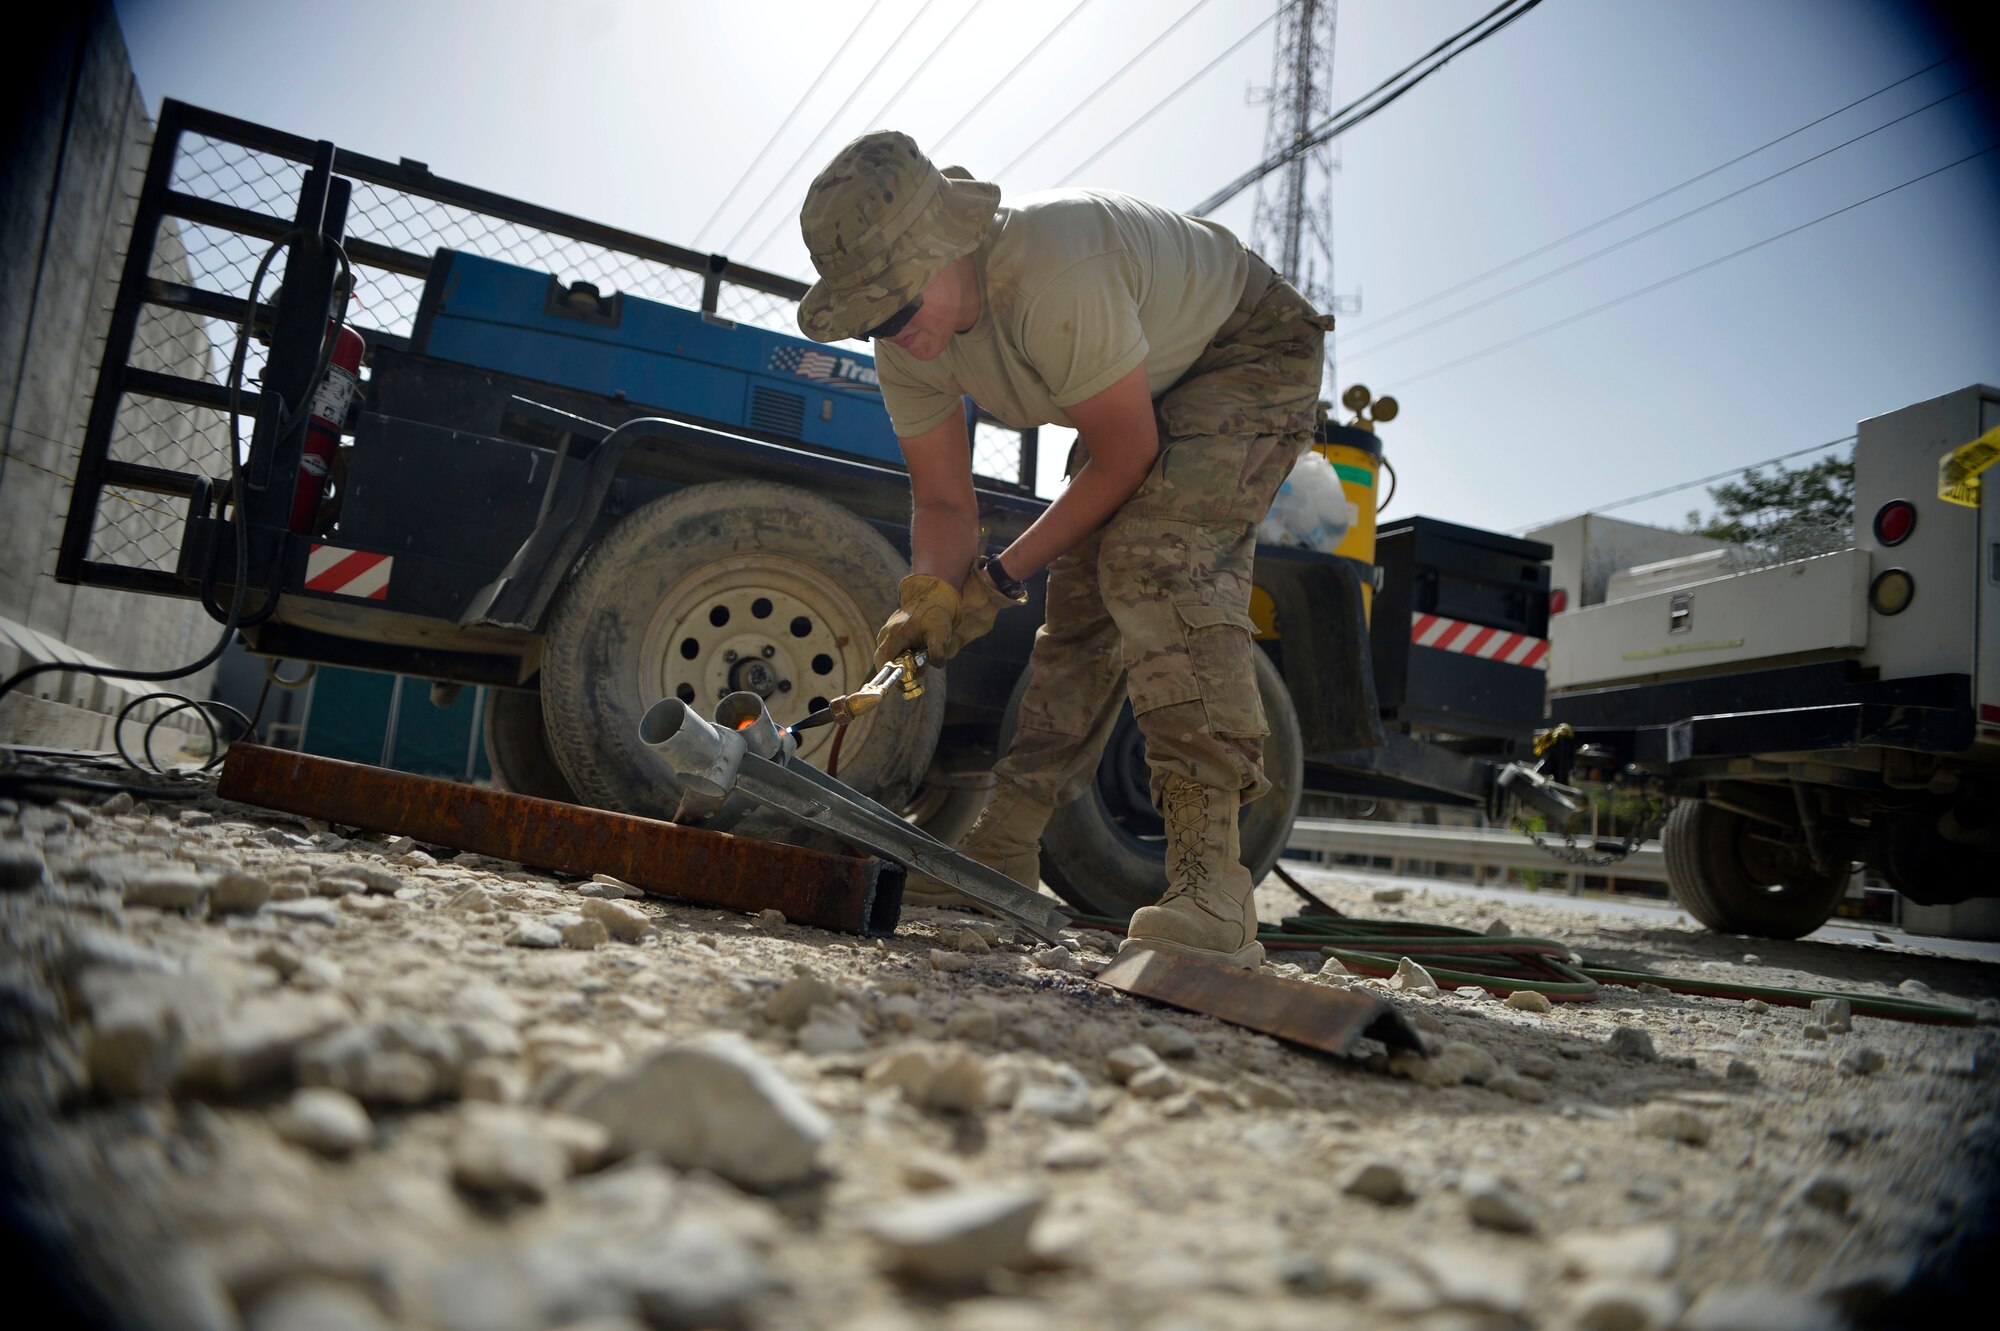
<point>1819,712</point>
<point>590,470</point>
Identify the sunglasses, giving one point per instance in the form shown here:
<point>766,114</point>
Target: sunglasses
<point>896,322</point>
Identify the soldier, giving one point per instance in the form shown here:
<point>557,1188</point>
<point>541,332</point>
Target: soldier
<point>1191,374</point>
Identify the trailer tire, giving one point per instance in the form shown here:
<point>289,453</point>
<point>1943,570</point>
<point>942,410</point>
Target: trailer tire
<point>743,584</point>
<point>517,747</point>
<point>1736,881</point>
<point>1105,851</point>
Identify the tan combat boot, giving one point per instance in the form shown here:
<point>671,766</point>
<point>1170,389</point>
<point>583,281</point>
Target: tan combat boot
<point>1208,911</point>
<point>1007,836</point>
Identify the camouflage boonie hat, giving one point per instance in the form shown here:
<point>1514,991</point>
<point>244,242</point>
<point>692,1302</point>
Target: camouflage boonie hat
<point>880,222</point>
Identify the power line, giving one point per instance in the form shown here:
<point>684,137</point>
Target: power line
<point>785,124</point>
<point>1347,117</point>
<point>937,144</point>
<point>1689,485</point>
<point>1675,189</point>
<point>831,121</point>
<point>1161,105</point>
<point>1096,92</point>
<point>1352,354</point>
<point>1690,272</point>
<point>875,121</point>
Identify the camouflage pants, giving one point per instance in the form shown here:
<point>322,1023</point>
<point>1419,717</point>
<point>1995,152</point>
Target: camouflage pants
<point>1158,599</point>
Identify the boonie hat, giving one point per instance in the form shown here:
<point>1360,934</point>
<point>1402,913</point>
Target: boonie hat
<point>880,222</point>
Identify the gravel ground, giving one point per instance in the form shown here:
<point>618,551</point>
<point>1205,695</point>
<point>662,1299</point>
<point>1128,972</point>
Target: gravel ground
<point>262,1072</point>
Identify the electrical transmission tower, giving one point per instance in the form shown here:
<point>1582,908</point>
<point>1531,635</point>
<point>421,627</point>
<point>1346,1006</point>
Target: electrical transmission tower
<point>1292,225</point>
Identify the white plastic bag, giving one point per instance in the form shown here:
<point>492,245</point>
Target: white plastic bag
<point>1311,511</point>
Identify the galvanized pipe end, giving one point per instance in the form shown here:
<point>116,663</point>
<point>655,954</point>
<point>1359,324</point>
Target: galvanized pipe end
<point>744,713</point>
<point>704,757</point>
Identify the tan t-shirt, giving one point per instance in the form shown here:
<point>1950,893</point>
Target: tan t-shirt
<point>1079,287</point>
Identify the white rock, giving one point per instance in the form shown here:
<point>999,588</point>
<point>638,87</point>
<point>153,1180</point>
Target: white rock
<point>834,1029</point>
<point>169,889</point>
<point>309,910</point>
<point>711,1103</point>
<point>1860,1060</point>
<point>1067,1102</point>
<point>494,1080</point>
<point>1916,989</point>
<point>322,1119</point>
<point>1456,1062</point>
<point>254,1045</point>
<point>532,933</point>
<point>626,923</point>
<point>1495,1204</point>
<point>1380,1181</point>
<point>971,940</point>
<point>1056,959</point>
<point>1836,1014</point>
<point>504,1155</point>
<point>239,893</point>
<point>1529,1000</point>
<point>1641,1252</point>
<point>1499,928</point>
<point>932,1077</point>
<point>1128,1061</point>
<point>954,1238</point>
<point>1388,896</point>
<point>1074,1150</point>
<point>1155,1083</point>
<point>1263,1093</point>
<point>951,961</point>
<point>1675,1123</point>
<point>581,935</point>
<point>1409,975</point>
<point>1469,1278</point>
<point>795,1000</point>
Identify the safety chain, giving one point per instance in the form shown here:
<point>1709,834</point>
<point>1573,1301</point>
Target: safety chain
<point>1644,830</point>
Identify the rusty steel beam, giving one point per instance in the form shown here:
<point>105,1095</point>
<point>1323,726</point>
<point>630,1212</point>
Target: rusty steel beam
<point>1316,1016</point>
<point>857,896</point>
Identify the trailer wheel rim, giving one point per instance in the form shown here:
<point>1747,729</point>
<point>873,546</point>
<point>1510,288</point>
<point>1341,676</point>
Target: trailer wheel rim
<point>761,622</point>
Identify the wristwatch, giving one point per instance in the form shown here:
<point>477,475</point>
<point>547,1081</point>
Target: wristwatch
<point>1011,588</point>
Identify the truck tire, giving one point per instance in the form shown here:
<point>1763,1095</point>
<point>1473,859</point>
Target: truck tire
<point>740,584</point>
<point>517,747</point>
<point>1728,873</point>
<point>1105,852</point>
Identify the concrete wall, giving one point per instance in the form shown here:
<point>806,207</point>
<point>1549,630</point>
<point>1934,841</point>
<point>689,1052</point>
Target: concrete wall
<point>76,141</point>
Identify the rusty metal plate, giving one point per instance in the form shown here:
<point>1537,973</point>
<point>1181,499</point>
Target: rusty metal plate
<point>1316,1016</point>
<point>858,896</point>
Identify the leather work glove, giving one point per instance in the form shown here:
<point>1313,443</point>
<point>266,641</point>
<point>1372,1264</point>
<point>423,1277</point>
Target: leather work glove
<point>980,602</point>
<point>929,609</point>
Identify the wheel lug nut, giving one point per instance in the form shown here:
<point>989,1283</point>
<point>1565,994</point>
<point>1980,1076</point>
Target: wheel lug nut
<point>784,686</point>
<point>729,655</point>
<point>769,650</point>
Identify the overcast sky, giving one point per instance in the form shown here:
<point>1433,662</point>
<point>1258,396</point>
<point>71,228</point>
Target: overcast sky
<point>647,114</point>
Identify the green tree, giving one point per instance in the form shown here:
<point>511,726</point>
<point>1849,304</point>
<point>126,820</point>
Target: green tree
<point>1785,513</point>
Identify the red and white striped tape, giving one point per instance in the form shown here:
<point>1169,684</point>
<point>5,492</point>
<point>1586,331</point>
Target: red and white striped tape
<point>349,572</point>
<point>1455,635</point>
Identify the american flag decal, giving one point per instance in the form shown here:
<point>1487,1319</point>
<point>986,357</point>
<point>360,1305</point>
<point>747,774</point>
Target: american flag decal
<point>804,362</point>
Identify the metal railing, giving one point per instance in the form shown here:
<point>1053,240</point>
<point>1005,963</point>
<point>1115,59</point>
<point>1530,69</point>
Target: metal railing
<point>1480,848</point>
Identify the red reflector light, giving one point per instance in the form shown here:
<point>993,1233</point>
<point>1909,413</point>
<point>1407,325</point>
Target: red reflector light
<point>1558,600</point>
<point>1894,521</point>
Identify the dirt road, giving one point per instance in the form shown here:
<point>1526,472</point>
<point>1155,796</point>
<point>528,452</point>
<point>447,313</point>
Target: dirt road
<point>268,1073</point>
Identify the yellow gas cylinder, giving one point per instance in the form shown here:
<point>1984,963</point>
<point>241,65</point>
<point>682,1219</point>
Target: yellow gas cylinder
<point>1355,451</point>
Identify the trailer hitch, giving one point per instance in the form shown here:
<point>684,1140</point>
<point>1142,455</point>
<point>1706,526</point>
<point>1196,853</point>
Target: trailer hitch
<point>744,752</point>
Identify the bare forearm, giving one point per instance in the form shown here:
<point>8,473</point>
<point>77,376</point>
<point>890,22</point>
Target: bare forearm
<point>1086,504</point>
<point>943,540</point>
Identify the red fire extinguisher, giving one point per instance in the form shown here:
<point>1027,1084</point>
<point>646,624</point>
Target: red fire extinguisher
<point>329,413</point>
